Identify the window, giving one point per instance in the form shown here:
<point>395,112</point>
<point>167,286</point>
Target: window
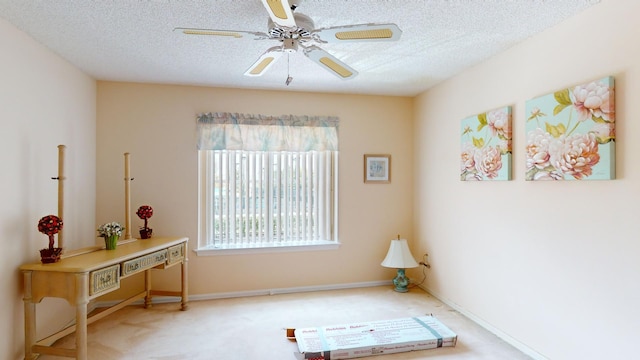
<point>269,200</point>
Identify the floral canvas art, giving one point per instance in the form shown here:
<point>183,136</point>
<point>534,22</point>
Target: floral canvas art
<point>486,146</point>
<point>571,133</point>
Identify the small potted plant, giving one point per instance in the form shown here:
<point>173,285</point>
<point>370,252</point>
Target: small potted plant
<point>110,232</point>
<point>50,225</point>
<point>145,212</point>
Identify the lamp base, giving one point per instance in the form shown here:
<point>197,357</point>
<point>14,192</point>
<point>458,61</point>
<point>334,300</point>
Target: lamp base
<point>401,282</point>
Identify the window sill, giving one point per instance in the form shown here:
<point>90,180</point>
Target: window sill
<point>211,251</point>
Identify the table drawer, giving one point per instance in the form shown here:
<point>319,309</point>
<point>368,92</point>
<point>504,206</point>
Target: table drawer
<point>175,254</point>
<point>144,262</point>
<point>104,280</point>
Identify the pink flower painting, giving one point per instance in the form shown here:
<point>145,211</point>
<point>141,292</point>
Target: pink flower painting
<point>486,146</point>
<point>571,133</point>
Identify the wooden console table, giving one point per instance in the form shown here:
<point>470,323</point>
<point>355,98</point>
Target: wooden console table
<point>90,274</point>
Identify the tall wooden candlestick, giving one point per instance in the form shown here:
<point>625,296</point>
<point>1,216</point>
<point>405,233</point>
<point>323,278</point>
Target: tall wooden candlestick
<point>127,198</point>
<point>61,179</point>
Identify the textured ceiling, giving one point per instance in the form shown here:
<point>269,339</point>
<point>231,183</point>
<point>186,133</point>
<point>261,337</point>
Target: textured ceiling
<point>133,40</point>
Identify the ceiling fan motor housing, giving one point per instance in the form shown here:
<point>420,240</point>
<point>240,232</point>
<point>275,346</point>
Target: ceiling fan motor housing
<point>302,30</point>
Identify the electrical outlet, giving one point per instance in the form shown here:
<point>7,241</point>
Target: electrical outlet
<point>424,262</point>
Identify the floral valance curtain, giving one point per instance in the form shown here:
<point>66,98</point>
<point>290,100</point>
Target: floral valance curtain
<point>232,131</point>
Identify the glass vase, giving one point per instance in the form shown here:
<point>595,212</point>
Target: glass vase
<point>110,242</point>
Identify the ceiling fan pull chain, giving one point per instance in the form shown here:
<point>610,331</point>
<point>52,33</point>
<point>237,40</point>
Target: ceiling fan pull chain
<point>289,78</point>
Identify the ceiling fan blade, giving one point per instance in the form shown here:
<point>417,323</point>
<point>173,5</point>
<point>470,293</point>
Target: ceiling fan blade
<point>360,32</point>
<point>225,33</point>
<point>264,62</point>
<point>330,62</point>
<point>280,12</point>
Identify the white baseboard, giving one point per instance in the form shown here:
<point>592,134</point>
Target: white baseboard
<point>237,294</point>
<point>292,290</point>
<point>492,329</point>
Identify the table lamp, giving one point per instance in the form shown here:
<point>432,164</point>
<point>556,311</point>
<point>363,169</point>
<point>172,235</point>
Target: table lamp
<point>399,257</point>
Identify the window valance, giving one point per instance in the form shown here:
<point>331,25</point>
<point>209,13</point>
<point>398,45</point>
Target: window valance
<point>233,131</point>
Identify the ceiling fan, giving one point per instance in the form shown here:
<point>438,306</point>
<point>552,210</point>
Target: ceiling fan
<point>297,31</point>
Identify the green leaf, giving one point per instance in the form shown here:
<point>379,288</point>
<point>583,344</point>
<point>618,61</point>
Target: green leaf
<point>555,130</point>
<point>562,97</point>
<point>479,143</point>
<point>605,139</point>
<point>530,174</point>
<point>482,118</point>
<point>558,109</point>
<point>482,121</point>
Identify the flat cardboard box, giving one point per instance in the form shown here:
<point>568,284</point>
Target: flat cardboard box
<point>350,341</point>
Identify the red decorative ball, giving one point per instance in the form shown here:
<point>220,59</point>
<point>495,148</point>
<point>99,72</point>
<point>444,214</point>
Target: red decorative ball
<point>50,225</point>
<point>145,212</point>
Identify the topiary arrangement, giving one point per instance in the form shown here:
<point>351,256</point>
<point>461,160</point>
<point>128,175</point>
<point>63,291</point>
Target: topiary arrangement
<point>50,225</point>
<point>145,212</point>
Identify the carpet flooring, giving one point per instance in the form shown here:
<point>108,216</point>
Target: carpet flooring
<point>253,327</point>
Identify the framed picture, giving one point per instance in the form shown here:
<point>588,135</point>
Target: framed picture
<point>486,146</point>
<point>571,133</point>
<point>377,168</point>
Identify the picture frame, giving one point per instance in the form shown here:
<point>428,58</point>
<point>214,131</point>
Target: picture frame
<point>571,133</point>
<point>486,139</point>
<point>377,168</point>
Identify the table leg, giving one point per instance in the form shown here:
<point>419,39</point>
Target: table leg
<point>147,288</point>
<point>29,318</point>
<point>82,283</point>
<point>185,285</point>
<point>81,331</point>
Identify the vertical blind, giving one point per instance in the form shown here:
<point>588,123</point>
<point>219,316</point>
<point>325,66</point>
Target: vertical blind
<point>269,198</point>
<point>272,196</point>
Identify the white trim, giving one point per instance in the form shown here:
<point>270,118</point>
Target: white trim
<point>327,245</point>
<point>263,292</point>
<point>292,290</point>
<point>487,326</point>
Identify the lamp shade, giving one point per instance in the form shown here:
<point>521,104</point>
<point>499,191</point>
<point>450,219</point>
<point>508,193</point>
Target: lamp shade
<point>399,255</point>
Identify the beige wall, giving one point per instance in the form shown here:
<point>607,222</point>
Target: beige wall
<point>156,124</point>
<point>44,102</point>
<point>552,264</point>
